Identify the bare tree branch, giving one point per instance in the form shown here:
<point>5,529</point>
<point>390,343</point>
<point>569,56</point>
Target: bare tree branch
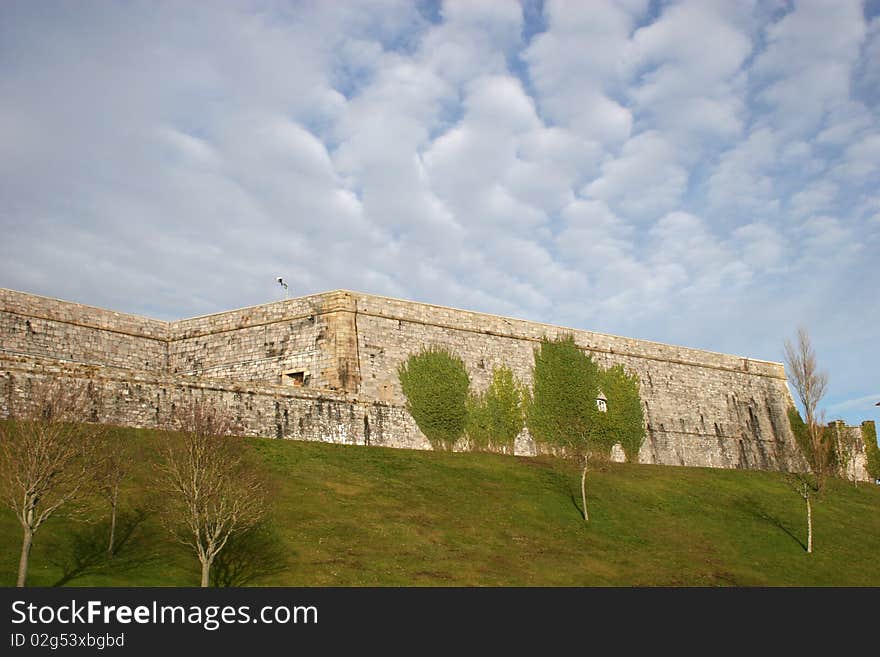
<point>809,382</point>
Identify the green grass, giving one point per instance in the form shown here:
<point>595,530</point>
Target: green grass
<point>354,516</point>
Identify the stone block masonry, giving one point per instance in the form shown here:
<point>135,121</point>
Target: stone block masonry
<point>324,367</point>
<point>312,336</point>
<point>144,400</point>
<point>702,408</point>
<point>70,332</point>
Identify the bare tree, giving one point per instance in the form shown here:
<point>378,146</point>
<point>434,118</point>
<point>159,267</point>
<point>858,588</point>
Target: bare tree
<point>213,491</point>
<point>809,382</point>
<point>112,469</point>
<point>47,463</point>
<point>810,385</point>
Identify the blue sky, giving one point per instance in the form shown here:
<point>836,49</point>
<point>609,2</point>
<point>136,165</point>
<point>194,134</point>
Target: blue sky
<point>699,173</point>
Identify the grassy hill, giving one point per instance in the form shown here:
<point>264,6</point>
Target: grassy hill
<point>353,516</point>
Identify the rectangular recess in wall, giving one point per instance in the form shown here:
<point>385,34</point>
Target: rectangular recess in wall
<point>297,378</point>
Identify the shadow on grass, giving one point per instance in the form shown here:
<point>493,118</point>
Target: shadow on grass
<point>84,552</point>
<point>755,509</point>
<point>561,479</point>
<point>576,502</point>
<point>250,557</point>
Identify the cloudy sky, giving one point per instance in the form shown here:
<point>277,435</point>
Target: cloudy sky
<point>700,173</point>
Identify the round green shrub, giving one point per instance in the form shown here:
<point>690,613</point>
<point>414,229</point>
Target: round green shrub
<point>435,383</point>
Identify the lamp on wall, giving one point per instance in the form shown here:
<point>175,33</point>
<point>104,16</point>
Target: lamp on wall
<point>284,285</point>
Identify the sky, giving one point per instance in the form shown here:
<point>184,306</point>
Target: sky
<point>699,173</point>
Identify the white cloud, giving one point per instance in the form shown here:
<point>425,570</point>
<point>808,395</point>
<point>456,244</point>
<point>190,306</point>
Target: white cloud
<point>762,246</point>
<point>863,404</point>
<point>470,164</point>
<point>472,41</point>
<point>648,165</point>
<point>743,180</point>
<point>861,158</point>
<point>689,62</point>
<point>195,151</point>
<point>844,122</point>
<point>578,67</point>
<point>817,197</point>
<point>827,237</point>
<point>596,242</point>
<point>683,238</point>
<point>804,71</point>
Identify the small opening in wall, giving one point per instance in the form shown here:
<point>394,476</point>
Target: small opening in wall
<point>298,378</point>
<point>602,403</point>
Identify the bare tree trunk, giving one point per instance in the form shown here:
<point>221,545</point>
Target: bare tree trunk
<point>809,523</point>
<point>113,505</point>
<point>25,554</point>
<point>206,572</point>
<point>584,489</point>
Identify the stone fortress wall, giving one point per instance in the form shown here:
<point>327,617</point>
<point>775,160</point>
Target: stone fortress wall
<point>70,332</point>
<point>324,367</point>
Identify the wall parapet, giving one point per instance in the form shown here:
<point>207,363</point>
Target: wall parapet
<point>77,314</point>
<point>46,308</point>
<point>261,315</point>
<point>521,329</point>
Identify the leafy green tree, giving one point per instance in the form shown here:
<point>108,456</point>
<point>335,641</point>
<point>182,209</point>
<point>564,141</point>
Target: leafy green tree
<point>872,452</point>
<point>562,411</point>
<point>478,426</point>
<point>495,417</point>
<point>435,383</point>
<point>623,422</point>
